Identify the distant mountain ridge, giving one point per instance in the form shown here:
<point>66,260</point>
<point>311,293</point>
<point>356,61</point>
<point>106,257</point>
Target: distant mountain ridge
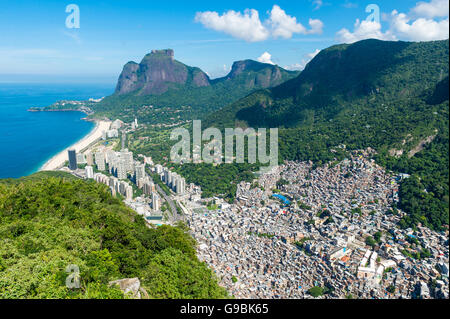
<point>159,71</point>
<point>163,82</point>
<point>344,74</point>
<point>390,96</point>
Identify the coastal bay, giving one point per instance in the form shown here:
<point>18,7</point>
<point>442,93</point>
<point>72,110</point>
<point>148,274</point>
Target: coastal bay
<point>58,160</point>
<point>29,139</point>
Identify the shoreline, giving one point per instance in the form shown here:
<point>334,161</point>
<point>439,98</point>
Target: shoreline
<point>58,160</point>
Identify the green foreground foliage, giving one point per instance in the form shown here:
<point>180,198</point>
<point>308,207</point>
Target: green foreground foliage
<point>48,223</point>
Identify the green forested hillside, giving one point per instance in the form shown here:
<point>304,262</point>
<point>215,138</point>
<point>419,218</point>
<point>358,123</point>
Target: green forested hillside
<point>48,223</point>
<point>366,73</point>
<point>186,102</point>
<point>390,96</point>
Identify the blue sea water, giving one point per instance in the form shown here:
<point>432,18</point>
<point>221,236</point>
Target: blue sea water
<point>29,139</point>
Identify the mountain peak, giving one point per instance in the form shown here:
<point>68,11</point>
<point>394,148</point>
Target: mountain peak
<point>156,73</point>
<point>168,52</point>
<point>239,67</point>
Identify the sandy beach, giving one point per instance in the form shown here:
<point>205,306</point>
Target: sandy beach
<point>59,159</point>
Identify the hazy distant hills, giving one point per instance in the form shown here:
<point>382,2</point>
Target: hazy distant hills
<point>163,82</point>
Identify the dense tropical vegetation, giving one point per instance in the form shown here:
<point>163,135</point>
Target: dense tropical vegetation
<point>48,223</point>
<point>390,96</point>
<point>186,102</point>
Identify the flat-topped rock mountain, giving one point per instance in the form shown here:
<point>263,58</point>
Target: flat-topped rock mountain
<point>183,91</point>
<point>156,73</point>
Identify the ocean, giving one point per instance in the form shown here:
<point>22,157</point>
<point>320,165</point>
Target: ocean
<point>29,139</point>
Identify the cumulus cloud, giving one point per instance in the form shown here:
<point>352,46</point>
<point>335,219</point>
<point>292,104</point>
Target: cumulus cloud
<point>424,23</point>
<point>285,26</point>
<point>421,29</point>
<point>313,54</point>
<point>266,57</point>
<point>435,8</point>
<point>294,67</point>
<point>218,71</point>
<point>248,26</point>
<point>300,66</point>
<point>363,30</point>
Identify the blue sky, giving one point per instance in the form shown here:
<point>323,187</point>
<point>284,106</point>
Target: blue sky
<point>35,43</point>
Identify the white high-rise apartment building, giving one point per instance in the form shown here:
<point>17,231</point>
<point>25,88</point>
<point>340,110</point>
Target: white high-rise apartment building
<point>100,161</point>
<point>158,169</point>
<point>90,158</point>
<point>155,201</point>
<point>81,159</point>
<point>121,169</point>
<point>139,171</point>
<point>128,158</point>
<point>129,192</point>
<point>181,185</point>
<point>89,171</point>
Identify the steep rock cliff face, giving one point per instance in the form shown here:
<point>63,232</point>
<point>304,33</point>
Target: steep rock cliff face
<point>128,78</point>
<point>156,73</point>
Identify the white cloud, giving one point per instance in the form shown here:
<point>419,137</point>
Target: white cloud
<point>245,26</point>
<point>420,25</point>
<point>248,26</point>
<point>316,26</point>
<point>435,8</point>
<point>219,71</point>
<point>363,30</point>
<point>300,66</point>
<point>285,26</point>
<point>313,54</point>
<point>294,67</point>
<point>266,57</point>
<point>421,29</point>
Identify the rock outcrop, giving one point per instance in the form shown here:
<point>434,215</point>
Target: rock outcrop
<point>156,73</point>
<point>131,287</point>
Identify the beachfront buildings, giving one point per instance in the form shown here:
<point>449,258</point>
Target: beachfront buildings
<point>89,171</point>
<point>89,158</point>
<point>100,161</point>
<point>81,159</point>
<point>72,160</point>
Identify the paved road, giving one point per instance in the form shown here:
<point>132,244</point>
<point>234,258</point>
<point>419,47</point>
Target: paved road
<point>173,216</point>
